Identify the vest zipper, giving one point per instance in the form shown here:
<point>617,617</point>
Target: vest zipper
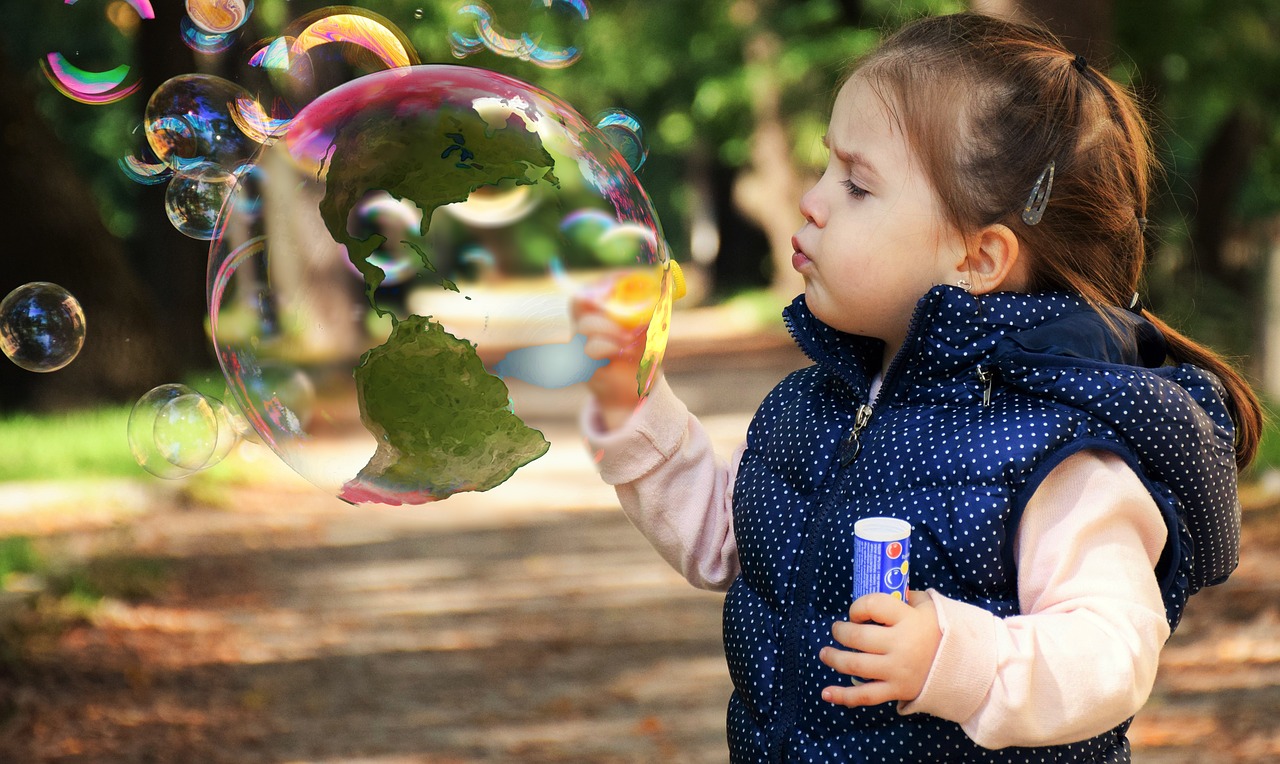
<point>988,378</point>
<point>851,446</point>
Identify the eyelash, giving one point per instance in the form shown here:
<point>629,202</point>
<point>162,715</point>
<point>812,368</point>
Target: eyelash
<point>856,191</point>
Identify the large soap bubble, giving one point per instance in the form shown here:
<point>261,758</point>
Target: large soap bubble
<point>512,205</point>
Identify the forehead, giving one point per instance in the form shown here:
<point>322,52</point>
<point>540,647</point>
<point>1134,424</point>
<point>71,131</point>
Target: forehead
<point>862,121</point>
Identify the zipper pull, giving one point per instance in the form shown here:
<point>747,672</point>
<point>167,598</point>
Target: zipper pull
<point>851,446</point>
<point>988,378</point>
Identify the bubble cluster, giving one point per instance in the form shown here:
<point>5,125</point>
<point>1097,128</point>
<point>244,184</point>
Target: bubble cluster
<point>505,203</point>
<point>175,431</point>
<point>42,326</point>
<point>479,31</point>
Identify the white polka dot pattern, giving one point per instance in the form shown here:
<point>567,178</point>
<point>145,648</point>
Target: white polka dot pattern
<point>960,472</point>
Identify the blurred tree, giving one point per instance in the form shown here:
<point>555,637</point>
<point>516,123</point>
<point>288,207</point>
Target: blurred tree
<point>54,232</point>
<point>734,97</point>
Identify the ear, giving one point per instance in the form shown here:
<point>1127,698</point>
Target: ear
<point>994,261</point>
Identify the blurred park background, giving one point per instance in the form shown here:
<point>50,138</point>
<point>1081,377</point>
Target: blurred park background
<point>240,615</point>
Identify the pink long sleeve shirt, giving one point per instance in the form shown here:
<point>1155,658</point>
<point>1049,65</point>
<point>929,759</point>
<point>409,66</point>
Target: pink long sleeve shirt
<point>1080,659</point>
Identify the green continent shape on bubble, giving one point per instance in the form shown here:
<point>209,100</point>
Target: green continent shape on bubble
<point>434,157</point>
<point>441,420</point>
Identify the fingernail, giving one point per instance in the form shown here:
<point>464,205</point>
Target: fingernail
<point>826,695</point>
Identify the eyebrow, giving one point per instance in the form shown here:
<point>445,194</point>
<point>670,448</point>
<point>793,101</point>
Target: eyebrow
<point>852,158</point>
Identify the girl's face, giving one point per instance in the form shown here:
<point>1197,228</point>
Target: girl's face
<point>875,237</point>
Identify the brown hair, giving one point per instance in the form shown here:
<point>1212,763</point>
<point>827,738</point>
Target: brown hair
<point>986,104</point>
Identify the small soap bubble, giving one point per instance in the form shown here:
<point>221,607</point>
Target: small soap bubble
<point>626,134</point>
<point>186,431</point>
<point>399,223</point>
<point>142,431</point>
<point>218,17</point>
<point>142,165</point>
<point>42,326</point>
<point>188,121</point>
<point>195,197</point>
<point>417,14</point>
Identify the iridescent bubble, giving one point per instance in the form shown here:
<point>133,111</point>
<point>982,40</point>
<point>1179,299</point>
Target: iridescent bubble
<point>94,77</point>
<point>218,17</point>
<point>398,222</point>
<point>254,121</point>
<point>626,134</point>
<point>186,431</point>
<point>195,197</point>
<point>142,165</point>
<point>88,87</point>
<point>479,31</point>
<point>188,122</point>
<point>204,42</point>
<point>438,392</point>
<point>42,327</point>
<point>363,29</point>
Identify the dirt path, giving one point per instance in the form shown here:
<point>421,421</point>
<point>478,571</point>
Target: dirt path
<point>528,624</point>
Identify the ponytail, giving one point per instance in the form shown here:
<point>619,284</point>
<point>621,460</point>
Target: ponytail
<point>1242,402</point>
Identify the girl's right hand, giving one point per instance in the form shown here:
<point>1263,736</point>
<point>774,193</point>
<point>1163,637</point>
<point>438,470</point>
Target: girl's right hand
<point>614,384</point>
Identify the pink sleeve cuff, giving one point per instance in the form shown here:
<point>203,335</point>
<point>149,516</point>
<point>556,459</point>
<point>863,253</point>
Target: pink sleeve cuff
<point>964,667</point>
<point>652,435</point>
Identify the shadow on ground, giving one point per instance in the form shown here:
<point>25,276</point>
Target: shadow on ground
<point>528,624</point>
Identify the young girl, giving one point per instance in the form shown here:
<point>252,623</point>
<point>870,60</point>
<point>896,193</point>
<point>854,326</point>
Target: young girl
<point>983,370</point>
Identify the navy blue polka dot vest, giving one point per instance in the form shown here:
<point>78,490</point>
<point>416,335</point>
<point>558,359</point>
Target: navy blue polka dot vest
<point>986,396</point>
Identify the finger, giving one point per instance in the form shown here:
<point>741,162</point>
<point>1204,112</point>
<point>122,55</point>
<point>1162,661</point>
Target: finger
<point>868,694</point>
<point>850,663</point>
<point>601,347</point>
<point>880,608</point>
<point>867,637</point>
<point>915,598</point>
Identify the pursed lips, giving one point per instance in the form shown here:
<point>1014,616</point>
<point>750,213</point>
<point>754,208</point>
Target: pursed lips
<point>799,260</point>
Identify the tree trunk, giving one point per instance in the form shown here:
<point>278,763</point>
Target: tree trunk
<point>53,232</point>
<point>769,191</point>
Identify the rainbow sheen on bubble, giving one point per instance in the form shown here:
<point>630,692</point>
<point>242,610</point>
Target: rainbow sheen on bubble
<point>399,223</point>
<point>626,134</point>
<point>88,87</point>
<point>439,370</point>
<point>42,326</point>
<point>142,165</point>
<point>478,30</point>
<point>204,42</point>
<point>219,17</point>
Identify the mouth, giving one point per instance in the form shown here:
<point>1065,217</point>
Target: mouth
<point>799,260</point>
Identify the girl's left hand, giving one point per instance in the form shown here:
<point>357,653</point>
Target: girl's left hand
<point>892,642</point>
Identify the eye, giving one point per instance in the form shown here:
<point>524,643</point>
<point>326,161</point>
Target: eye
<point>856,191</point>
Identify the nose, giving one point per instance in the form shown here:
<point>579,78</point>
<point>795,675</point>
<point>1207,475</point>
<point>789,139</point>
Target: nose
<point>811,207</point>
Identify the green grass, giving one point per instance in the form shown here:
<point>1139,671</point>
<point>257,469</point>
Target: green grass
<point>81,444</point>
